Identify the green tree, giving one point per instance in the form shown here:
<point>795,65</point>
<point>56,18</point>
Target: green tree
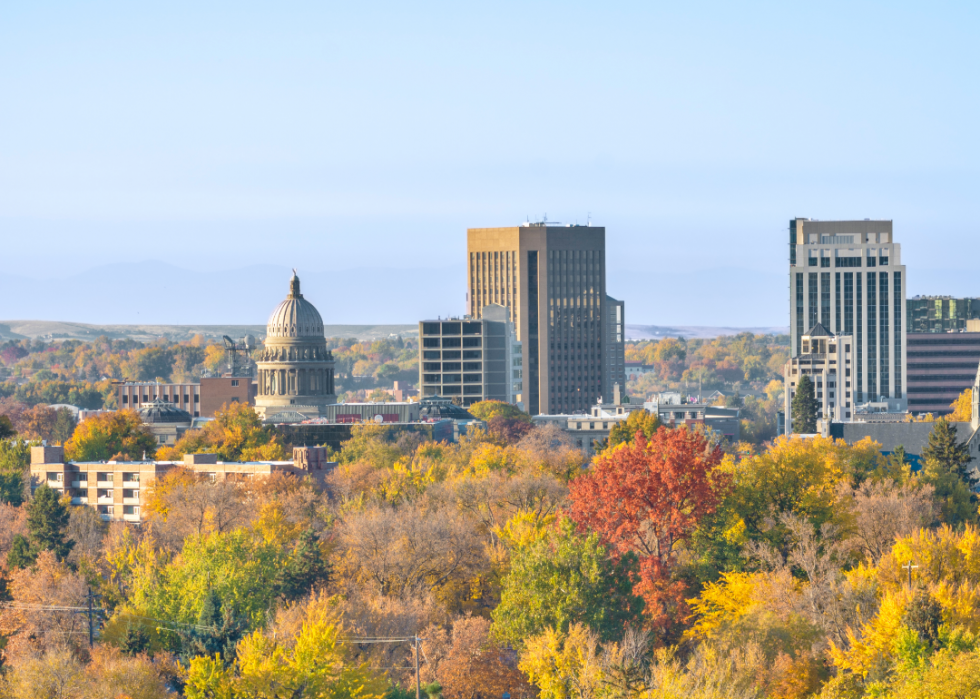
<point>305,568</point>
<point>15,456</point>
<point>47,521</point>
<point>135,642</point>
<point>563,578</point>
<point>804,407</point>
<point>637,421</point>
<point>20,554</point>
<point>949,453</point>
<point>6,428</point>
<point>218,631</point>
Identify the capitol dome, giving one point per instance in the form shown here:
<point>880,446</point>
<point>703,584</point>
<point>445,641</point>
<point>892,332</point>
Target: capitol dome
<point>295,317</point>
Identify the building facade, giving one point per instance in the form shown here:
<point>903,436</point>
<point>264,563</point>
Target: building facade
<point>848,277</point>
<point>199,399</point>
<point>940,314</point>
<point>552,280</point>
<point>941,366</point>
<point>614,354</point>
<point>827,360</point>
<point>295,368</point>
<point>471,359</point>
<point>118,490</point>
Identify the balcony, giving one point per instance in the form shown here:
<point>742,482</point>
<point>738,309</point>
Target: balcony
<point>79,484</point>
<point>103,484</point>
<point>81,500</point>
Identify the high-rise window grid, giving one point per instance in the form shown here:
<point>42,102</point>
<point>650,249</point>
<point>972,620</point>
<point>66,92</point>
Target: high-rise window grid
<point>825,298</point>
<point>837,304</point>
<point>848,303</point>
<point>813,299</point>
<point>898,297</point>
<point>859,345</point>
<point>799,310</point>
<point>872,335</point>
<point>883,338</point>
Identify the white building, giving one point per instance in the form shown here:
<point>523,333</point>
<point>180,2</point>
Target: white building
<point>827,360</point>
<point>847,276</point>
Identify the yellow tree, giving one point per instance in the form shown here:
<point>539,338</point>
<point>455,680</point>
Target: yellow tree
<point>105,435</point>
<point>962,407</point>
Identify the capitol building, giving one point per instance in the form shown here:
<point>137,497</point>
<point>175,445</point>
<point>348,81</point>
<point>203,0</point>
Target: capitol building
<point>295,368</point>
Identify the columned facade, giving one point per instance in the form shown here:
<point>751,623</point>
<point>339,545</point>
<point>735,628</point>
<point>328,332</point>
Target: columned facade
<point>295,368</point>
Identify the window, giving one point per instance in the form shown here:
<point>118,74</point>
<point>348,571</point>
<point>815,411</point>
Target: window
<point>430,355</point>
<point>131,478</point>
<point>430,342</point>
<point>197,398</point>
<point>130,510</point>
<point>825,262</point>
<point>234,383</point>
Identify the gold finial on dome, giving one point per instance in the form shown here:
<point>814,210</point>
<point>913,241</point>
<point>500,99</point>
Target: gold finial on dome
<point>294,286</point>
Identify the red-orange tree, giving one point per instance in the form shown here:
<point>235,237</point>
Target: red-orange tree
<point>647,497</point>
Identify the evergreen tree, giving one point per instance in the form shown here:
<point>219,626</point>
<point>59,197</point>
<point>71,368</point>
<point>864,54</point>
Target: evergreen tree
<point>305,568</point>
<point>218,631</point>
<point>135,641</point>
<point>949,453</point>
<point>20,554</point>
<point>804,407</point>
<point>6,428</point>
<point>47,521</point>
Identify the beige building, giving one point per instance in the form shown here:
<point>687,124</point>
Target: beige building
<point>118,489</point>
<point>588,430</point>
<point>295,368</point>
<point>552,280</point>
<point>199,399</point>
<point>848,277</point>
<point>827,360</point>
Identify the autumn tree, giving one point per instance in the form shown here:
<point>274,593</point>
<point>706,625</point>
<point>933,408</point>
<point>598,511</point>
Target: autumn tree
<point>638,421</point>
<point>39,422</point>
<point>804,407</point>
<point>6,428</point>
<point>102,436</point>
<point>235,434</point>
<point>563,578</point>
<point>486,410</point>
<point>647,498</point>
<point>962,407</point>
<point>47,522</point>
<point>64,426</point>
<point>476,667</point>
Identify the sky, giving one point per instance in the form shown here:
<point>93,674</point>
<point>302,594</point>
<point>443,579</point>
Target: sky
<point>368,136</point>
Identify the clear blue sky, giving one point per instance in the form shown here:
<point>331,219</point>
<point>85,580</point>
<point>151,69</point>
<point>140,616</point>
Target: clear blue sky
<point>345,135</point>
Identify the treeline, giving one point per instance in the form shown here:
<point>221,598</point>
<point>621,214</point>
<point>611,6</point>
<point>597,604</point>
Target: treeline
<point>671,566</point>
<point>744,358</point>
<point>363,366</point>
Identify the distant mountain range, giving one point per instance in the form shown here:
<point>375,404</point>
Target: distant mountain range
<point>147,294</point>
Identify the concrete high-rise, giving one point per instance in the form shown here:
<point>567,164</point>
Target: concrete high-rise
<point>552,279</point>
<point>848,277</point>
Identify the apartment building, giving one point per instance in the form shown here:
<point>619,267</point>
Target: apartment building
<point>118,489</point>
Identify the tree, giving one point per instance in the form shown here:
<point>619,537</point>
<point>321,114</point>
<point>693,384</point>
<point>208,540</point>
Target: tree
<point>39,422</point>
<point>563,578</point>
<point>47,521</point>
<point>962,407</point>
<point>102,436</point>
<point>64,426</point>
<point>235,434</point>
<point>638,421</point>
<point>20,554</point>
<point>217,633</point>
<point>486,410</point>
<point>804,408</point>
<point>15,457</point>
<point>312,662</point>
<point>647,498</point>
<point>949,453</point>
<point>6,428</point>
<point>478,668</point>
<point>305,568</point>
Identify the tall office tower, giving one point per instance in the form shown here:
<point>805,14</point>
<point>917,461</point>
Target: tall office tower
<point>848,277</point>
<point>615,354</point>
<point>553,280</point>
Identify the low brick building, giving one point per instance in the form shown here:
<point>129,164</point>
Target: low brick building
<point>201,399</point>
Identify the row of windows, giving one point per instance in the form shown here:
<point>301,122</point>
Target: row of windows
<point>846,261</point>
<point>452,342</point>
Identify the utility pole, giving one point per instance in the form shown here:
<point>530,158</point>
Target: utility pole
<point>90,613</point>
<point>418,686</point>
<point>909,566</point>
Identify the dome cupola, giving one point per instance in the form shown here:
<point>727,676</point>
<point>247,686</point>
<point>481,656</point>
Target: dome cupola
<point>295,317</point>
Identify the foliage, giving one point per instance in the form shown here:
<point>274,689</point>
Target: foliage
<point>804,407</point>
<point>948,453</point>
<point>487,410</point>
<point>646,498</point>
<point>47,521</point>
<point>235,434</point>
<point>313,663</point>
<point>638,421</point>
<point>105,435</point>
<point>962,407</point>
<point>563,578</point>
<point>15,459</point>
